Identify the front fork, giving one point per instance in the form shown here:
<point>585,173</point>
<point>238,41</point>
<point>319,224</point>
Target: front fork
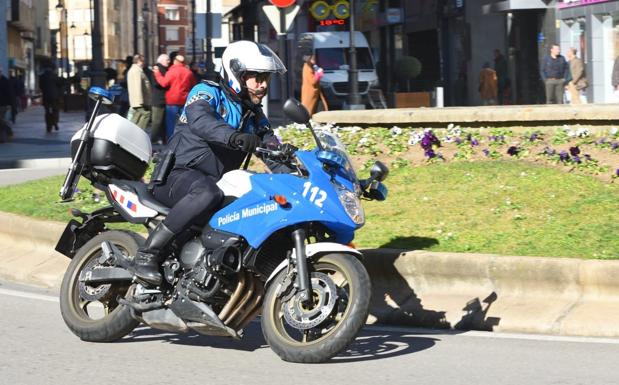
<point>303,280</point>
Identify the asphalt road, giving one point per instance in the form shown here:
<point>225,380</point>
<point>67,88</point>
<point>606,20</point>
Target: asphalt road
<point>37,348</point>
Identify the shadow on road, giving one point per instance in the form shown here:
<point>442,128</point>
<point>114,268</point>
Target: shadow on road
<point>251,341</point>
<point>370,345</point>
<point>376,345</point>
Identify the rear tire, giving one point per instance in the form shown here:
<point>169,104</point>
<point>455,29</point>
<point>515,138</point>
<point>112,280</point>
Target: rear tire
<point>117,321</point>
<point>333,334</point>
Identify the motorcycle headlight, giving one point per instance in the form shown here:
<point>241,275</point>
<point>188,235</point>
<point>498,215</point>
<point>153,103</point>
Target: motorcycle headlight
<point>352,204</point>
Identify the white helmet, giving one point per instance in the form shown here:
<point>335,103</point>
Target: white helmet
<point>247,56</point>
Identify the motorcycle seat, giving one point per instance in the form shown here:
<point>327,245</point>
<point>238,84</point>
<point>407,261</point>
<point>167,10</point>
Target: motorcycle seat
<point>141,190</point>
<point>148,200</point>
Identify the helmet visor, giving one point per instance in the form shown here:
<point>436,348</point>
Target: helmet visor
<point>268,61</point>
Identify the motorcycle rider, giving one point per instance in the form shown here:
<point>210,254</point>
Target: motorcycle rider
<point>220,124</point>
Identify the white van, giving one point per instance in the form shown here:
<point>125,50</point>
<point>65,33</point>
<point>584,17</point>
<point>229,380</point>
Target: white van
<point>331,50</point>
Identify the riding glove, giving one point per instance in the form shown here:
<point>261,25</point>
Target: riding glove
<point>245,142</point>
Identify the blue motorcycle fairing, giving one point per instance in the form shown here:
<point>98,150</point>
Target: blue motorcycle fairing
<point>256,216</point>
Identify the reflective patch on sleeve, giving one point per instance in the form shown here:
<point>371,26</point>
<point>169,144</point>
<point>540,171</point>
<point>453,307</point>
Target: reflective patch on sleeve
<point>199,95</point>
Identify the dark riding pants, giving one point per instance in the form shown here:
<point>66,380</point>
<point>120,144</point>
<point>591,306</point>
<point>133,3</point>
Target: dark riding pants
<point>192,197</point>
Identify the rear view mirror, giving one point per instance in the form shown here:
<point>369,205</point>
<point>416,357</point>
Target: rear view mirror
<point>295,111</point>
<point>379,171</point>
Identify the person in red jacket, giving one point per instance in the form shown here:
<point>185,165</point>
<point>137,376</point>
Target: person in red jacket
<point>180,81</point>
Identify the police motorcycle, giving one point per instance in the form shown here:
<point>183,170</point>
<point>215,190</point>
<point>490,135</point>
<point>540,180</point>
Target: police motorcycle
<point>278,246</point>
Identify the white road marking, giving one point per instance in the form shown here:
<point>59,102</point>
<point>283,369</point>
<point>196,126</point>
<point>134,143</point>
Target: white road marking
<point>23,294</point>
<point>498,335</point>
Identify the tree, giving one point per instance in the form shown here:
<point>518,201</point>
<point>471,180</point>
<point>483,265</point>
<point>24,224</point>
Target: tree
<point>407,68</point>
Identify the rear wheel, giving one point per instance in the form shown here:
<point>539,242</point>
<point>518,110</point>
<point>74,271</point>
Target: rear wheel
<point>319,329</point>
<point>93,312</point>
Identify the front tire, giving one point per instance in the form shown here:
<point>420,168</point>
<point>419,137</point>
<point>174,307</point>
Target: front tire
<point>334,331</point>
<point>76,310</point>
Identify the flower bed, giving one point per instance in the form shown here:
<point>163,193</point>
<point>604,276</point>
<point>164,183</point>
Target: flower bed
<point>570,149</point>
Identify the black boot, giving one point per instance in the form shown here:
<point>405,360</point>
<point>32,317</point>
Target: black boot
<point>149,256</point>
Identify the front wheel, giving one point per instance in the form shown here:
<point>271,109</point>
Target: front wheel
<point>93,312</point>
<point>317,330</point>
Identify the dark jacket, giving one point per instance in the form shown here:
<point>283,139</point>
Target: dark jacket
<point>6,95</point>
<point>157,91</point>
<point>202,134</point>
<point>553,68</point>
<point>50,84</point>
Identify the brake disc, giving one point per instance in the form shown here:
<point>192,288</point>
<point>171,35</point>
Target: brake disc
<point>324,298</point>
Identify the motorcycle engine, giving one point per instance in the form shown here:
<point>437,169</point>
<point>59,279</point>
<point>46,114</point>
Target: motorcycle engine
<point>207,272</point>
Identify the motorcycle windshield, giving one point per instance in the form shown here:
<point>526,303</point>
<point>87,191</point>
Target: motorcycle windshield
<point>331,142</point>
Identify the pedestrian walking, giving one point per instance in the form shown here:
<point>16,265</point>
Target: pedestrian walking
<point>310,87</point>
<point>139,89</point>
<point>50,86</point>
<point>17,86</point>
<point>578,82</point>
<point>6,102</point>
<point>553,72</point>
<point>488,85</point>
<point>158,132</point>
<point>500,67</point>
<point>179,80</point>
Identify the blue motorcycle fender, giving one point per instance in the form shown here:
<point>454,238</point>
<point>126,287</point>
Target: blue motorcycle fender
<point>315,249</point>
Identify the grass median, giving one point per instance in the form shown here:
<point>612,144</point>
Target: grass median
<point>507,207</point>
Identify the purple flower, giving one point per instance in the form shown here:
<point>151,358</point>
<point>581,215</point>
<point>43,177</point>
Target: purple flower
<point>614,146</point>
<point>563,156</point>
<point>617,172</point>
<point>486,151</point>
<point>574,151</point>
<point>492,138</point>
<point>576,159</point>
<point>549,151</point>
<point>430,153</point>
<point>429,140</point>
<point>533,137</point>
<point>458,140</point>
<point>474,142</point>
<point>513,150</point>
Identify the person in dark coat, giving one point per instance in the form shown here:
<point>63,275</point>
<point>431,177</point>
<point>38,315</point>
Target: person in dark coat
<point>17,86</point>
<point>6,102</point>
<point>157,134</point>
<point>50,86</point>
<point>553,72</point>
<point>500,67</point>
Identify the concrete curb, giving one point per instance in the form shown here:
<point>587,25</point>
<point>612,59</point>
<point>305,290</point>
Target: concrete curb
<point>418,288</point>
<point>531,115</point>
<point>492,292</point>
<point>36,163</point>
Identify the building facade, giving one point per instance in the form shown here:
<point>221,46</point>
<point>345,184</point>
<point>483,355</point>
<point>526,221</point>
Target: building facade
<point>21,18</point>
<point>174,23</point>
<point>592,27</point>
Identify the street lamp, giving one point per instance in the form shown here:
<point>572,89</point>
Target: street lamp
<point>354,99</point>
<point>62,26</point>
<point>145,17</point>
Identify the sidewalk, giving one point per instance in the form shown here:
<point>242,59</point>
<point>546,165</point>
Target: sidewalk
<point>32,146</point>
